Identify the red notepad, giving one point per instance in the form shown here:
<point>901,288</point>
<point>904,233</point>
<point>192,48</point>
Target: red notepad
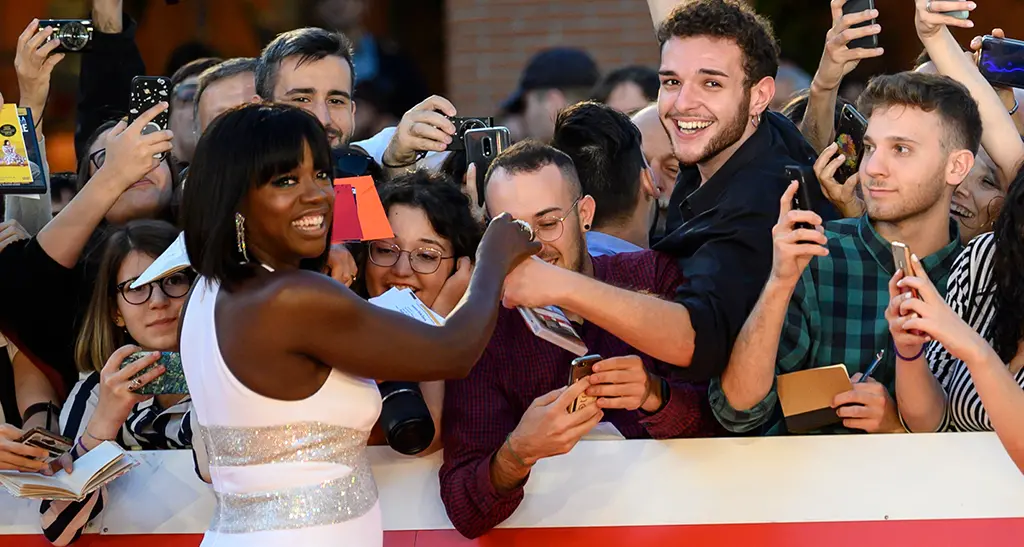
<point>373,221</point>
<point>346,216</point>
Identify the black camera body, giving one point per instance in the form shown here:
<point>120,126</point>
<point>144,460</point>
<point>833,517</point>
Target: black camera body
<point>464,124</point>
<point>75,35</point>
<point>405,418</point>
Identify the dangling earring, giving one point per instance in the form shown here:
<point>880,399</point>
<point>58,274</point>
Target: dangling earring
<point>240,235</point>
<point>755,120</point>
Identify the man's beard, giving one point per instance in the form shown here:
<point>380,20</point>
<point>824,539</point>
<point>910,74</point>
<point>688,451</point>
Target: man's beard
<point>730,134</point>
<point>337,139</point>
<point>915,204</point>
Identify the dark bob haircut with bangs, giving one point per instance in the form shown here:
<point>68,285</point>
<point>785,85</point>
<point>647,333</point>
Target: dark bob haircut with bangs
<point>243,149</point>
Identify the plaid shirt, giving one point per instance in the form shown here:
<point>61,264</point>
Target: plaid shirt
<point>518,367</point>
<point>837,315</point>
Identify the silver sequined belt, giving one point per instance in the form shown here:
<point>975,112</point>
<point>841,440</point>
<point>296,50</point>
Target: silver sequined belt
<point>330,502</point>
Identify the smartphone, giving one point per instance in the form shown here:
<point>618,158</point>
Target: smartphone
<point>75,35</point>
<point>1002,61</point>
<point>802,199</point>
<point>850,137</point>
<point>171,382</point>
<point>53,443</point>
<point>580,368</point>
<point>147,91</point>
<point>482,146</point>
<point>901,257</point>
<point>859,6</point>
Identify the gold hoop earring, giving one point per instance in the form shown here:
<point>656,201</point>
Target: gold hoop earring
<point>240,235</point>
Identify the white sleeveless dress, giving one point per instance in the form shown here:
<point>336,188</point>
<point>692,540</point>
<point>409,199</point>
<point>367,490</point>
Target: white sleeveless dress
<point>285,473</point>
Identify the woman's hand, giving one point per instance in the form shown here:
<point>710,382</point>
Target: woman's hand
<point>842,194</point>
<point>906,342</point>
<point>117,391</point>
<point>507,240</point>
<point>1005,93</point>
<point>931,16</point>
<point>34,64</point>
<point>15,456</point>
<point>11,231</point>
<point>130,154</point>
<point>933,317</point>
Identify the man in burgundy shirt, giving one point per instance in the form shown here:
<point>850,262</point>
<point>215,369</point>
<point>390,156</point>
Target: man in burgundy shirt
<point>512,410</point>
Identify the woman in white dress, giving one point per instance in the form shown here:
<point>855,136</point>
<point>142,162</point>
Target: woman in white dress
<point>277,356</point>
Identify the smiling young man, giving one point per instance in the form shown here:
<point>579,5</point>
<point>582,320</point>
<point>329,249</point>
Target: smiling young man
<point>511,411</point>
<point>718,60</point>
<point>923,133</point>
<point>311,68</point>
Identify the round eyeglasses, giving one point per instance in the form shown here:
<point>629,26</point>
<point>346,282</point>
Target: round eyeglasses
<point>423,260</point>
<point>549,229</point>
<point>173,286</point>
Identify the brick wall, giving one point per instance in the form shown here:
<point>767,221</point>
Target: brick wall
<point>490,41</point>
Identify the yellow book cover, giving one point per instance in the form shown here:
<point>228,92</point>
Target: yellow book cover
<point>14,167</point>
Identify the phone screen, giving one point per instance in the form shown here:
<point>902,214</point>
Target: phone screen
<point>1002,61</point>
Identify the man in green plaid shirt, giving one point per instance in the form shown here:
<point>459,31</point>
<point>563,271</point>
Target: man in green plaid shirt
<point>824,303</point>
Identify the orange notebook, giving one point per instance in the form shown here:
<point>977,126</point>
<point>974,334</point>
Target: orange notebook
<point>373,221</point>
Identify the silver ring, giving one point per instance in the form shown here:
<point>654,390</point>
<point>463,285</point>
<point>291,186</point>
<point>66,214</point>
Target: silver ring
<point>134,384</point>
<point>525,226</point>
<point>928,6</point>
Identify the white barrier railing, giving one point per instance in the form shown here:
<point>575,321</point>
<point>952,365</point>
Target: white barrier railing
<point>639,483</point>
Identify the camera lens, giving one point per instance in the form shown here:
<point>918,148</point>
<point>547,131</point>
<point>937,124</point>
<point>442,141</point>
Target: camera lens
<point>488,149</point>
<point>405,418</point>
<point>73,36</point>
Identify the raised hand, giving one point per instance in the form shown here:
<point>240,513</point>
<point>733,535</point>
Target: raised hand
<point>907,343</point>
<point>34,65</point>
<point>839,59</point>
<point>507,240</point>
<point>842,194</point>
<point>130,154</point>
<point>932,15</point>
<point>117,391</point>
<point>793,248</point>
<point>424,128</point>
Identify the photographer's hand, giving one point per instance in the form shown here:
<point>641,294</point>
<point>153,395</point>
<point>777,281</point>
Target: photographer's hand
<point>34,64</point>
<point>424,128</point>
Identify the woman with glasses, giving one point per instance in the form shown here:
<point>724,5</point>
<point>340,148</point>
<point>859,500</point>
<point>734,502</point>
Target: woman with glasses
<point>124,176</point>
<point>120,321</point>
<point>431,254</point>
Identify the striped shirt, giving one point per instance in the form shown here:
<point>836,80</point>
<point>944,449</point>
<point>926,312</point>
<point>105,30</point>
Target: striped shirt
<point>971,295</point>
<point>148,427</point>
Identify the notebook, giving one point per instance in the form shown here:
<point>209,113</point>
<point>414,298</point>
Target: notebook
<point>551,324</point>
<point>95,469</point>
<point>806,396</point>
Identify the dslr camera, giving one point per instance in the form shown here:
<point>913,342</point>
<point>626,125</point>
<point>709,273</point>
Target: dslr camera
<point>464,124</point>
<point>75,35</point>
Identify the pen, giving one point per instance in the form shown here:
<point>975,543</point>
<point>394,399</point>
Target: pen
<point>872,367</point>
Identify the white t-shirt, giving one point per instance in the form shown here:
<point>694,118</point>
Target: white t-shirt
<point>377,144</point>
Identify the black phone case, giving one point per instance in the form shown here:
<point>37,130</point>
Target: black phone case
<point>850,138</point>
<point>802,199</point>
<point>476,154</point>
<point>858,6</point>
<point>147,91</point>
<point>1002,61</point>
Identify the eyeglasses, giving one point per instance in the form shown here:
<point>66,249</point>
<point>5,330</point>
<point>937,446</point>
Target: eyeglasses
<point>173,286</point>
<point>98,157</point>
<point>549,229</point>
<point>423,260</point>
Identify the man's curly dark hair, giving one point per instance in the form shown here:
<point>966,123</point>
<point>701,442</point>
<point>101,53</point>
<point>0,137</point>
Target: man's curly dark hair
<point>732,20</point>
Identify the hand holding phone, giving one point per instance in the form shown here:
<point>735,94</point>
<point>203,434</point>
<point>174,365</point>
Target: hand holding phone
<point>1001,61</point>
<point>856,7</point>
<point>171,382</point>
<point>581,368</point>
<point>802,199</point>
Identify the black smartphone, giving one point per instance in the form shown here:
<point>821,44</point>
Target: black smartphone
<point>465,124</point>
<point>147,92</point>
<point>75,35</point>
<point>802,200</point>
<point>482,146</point>
<point>859,6</point>
<point>1002,61</point>
<point>850,137</point>
<point>580,368</point>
